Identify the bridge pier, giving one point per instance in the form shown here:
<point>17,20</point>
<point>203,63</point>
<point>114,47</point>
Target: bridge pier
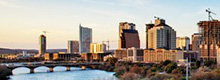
<point>83,67</point>
<point>31,70</point>
<point>51,68</point>
<point>67,68</point>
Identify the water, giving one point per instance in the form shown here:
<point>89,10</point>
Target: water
<point>60,73</point>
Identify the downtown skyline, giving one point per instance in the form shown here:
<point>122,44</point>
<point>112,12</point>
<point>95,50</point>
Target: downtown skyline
<point>22,21</point>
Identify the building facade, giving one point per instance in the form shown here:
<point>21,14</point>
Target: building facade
<point>121,54</point>
<point>42,45</point>
<point>135,54</point>
<point>210,39</point>
<point>158,55</point>
<point>196,41</point>
<point>128,36</point>
<point>73,46</point>
<point>85,39</point>
<point>183,43</point>
<point>97,48</point>
<point>148,27</point>
<point>161,36</point>
<point>60,56</point>
<point>94,56</point>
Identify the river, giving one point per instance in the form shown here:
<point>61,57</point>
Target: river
<point>60,73</point>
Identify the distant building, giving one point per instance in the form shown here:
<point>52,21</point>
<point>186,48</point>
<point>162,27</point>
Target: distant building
<point>60,56</point>
<point>158,55</point>
<point>94,56</point>
<point>210,39</point>
<point>196,41</point>
<point>97,48</point>
<point>121,54</point>
<point>128,36</point>
<point>73,46</point>
<point>85,39</point>
<point>135,54</point>
<point>183,43</point>
<point>42,45</point>
<point>161,36</point>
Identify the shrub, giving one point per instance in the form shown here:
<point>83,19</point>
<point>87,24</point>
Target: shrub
<point>130,76</point>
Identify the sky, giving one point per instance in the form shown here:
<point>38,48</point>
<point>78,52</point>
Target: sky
<point>22,21</point>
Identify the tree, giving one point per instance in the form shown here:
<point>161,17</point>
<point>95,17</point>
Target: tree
<point>170,67</point>
<point>208,63</point>
<point>166,62</point>
<point>198,63</point>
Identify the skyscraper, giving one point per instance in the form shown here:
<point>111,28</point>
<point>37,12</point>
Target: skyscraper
<point>85,38</point>
<point>183,43</point>
<point>128,36</point>
<point>42,45</point>
<point>161,36</point>
<point>210,39</point>
<point>73,46</point>
<point>196,40</point>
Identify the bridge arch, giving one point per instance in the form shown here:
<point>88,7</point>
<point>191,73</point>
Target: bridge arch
<point>17,70</point>
<point>41,69</point>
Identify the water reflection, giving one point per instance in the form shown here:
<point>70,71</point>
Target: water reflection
<point>60,73</point>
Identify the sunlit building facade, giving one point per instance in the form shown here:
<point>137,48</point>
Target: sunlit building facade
<point>161,36</point>
<point>183,43</point>
<point>97,48</point>
<point>158,55</point>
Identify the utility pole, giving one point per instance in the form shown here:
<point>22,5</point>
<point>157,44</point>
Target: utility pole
<point>187,69</point>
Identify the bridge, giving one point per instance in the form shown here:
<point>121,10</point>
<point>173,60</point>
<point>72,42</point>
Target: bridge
<point>83,66</point>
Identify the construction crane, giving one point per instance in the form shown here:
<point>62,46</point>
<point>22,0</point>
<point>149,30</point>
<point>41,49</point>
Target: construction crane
<point>209,14</point>
<point>108,43</point>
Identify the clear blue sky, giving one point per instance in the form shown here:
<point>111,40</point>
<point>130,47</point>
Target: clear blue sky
<point>22,21</point>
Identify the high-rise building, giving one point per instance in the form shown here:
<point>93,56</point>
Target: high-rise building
<point>85,39</point>
<point>42,45</point>
<point>97,48</point>
<point>196,40</point>
<point>148,26</point>
<point>183,43</point>
<point>128,36</point>
<point>161,36</point>
<point>210,39</point>
<point>73,46</point>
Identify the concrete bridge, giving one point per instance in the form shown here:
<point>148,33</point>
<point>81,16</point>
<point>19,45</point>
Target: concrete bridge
<point>83,66</point>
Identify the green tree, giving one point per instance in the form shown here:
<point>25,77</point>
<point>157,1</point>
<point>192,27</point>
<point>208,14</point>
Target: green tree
<point>170,67</point>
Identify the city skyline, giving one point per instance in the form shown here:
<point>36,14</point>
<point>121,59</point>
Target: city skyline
<point>61,19</point>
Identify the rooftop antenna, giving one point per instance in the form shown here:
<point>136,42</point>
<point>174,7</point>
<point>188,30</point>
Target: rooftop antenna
<point>45,32</point>
<point>209,14</point>
<point>156,17</point>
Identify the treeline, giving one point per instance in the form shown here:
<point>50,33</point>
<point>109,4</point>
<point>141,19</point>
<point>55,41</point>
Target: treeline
<point>2,60</point>
<point>166,70</point>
